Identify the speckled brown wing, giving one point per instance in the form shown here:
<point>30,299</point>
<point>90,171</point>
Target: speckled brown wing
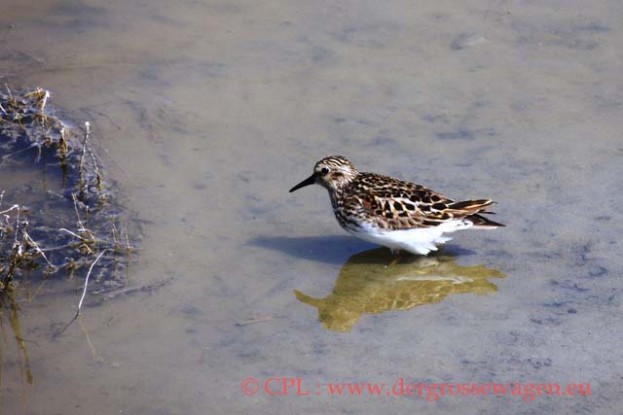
<point>398,204</point>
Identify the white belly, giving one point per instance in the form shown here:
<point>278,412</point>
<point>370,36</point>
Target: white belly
<point>417,241</point>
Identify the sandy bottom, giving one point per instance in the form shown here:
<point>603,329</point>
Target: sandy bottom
<point>207,112</point>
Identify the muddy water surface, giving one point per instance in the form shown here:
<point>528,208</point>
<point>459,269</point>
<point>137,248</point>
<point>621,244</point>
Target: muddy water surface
<point>207,112</point>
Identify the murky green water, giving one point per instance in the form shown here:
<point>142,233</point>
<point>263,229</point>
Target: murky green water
<point>206,113</point>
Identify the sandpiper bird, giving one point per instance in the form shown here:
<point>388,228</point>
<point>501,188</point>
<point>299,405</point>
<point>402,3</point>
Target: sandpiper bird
<point>390,212</point>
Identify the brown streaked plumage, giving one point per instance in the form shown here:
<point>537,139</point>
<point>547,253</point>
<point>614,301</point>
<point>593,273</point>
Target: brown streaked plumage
<point>392,212</point>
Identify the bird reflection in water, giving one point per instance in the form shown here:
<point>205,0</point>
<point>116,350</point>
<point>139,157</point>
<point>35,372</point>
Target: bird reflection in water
<point>367,286</point>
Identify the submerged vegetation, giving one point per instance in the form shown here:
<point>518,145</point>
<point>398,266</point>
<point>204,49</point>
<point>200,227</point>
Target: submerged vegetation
<point>60,221</point>
<point>58,214</point>
<point>49,227</point>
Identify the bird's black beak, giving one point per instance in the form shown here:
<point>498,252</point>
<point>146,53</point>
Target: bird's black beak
<point>310,180</point>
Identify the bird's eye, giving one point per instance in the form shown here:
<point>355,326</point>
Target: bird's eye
<point>324,171</point>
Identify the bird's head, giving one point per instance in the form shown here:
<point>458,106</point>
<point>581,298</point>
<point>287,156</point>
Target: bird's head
<point>332,172</point>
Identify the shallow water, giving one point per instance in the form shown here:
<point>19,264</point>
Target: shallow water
<point>206,113</point>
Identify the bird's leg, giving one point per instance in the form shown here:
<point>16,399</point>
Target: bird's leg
<point>397,256</point>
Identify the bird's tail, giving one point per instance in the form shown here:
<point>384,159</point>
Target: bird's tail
<point>470,210</point>
<point>480,222</point>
